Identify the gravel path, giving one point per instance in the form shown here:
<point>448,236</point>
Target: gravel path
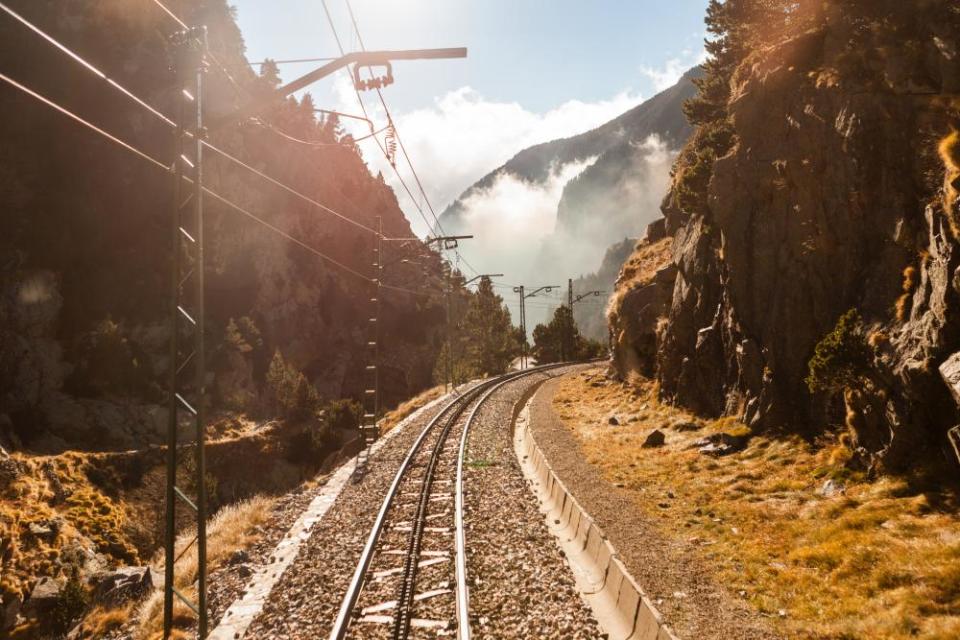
<point>691,601</point>
<point>520,585</point>
<point>228,582</point>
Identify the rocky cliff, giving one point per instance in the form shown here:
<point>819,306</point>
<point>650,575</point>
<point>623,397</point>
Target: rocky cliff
<point>812,188</point>
<point>84,236</point>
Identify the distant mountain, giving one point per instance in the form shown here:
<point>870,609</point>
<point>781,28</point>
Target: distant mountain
<point>610,143</point>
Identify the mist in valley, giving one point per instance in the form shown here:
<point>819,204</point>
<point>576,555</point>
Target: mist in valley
<point>543,233</point>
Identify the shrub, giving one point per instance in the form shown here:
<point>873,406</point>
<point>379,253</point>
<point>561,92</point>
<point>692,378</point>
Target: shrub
<point>73,601</point>
<point>343,414</point>
<point>841,358</point>
<point>289,393</point>
<point>304,401</point>
<point>243,335</point>
<point>313,442</point>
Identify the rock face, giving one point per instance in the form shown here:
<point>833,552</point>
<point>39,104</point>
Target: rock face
<point>818,208</point>
<point>644,290</point>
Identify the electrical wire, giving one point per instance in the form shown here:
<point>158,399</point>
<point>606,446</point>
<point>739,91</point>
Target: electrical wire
<point>73,116</point>
<point>87,65</point>
<point>164,8</point>
<point>140,102</point>
<point>310,143</point>
<point>363,109</point>
<point>399,140</point>
<point>78,119</point>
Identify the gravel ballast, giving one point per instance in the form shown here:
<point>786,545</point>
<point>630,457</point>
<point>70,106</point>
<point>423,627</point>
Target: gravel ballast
<point>520,584</point>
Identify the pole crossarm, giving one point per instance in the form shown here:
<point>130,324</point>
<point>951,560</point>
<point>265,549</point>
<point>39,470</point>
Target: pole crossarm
<point>589,294</point>
<point>449,242</point>
<point>545,289</point>
<point>482,275</point>
<point>360,58</point>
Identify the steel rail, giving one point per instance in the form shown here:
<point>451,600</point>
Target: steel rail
<point>457,406</point>
<point>342,621</point>
<point>404,609</point>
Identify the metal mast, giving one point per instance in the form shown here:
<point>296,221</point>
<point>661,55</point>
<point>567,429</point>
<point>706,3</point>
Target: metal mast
<point>523,328</point>
<point>371,394</point>
<point>187,358</point>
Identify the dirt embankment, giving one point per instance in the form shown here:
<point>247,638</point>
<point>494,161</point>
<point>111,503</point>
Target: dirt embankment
<point>72,516</point>
<point>777,527</point>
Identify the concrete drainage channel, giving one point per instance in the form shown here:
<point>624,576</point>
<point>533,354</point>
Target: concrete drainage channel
<point>617,601</point>
<point>238,617</point>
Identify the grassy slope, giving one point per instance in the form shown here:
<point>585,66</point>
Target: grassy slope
<point>881,560</point>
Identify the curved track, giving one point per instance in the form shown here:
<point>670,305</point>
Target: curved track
<point>415,526</point>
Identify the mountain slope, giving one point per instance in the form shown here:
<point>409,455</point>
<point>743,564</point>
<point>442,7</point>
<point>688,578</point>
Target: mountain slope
<point>660,116</point>
<point>84,290</point>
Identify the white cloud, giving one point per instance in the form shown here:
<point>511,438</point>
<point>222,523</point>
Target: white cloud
<point>667,75</point>
<point>463,136</point>
<point>509,218</point>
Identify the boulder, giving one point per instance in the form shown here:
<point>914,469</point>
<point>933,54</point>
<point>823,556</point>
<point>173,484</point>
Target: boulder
<point>91,563</point>
<point>655,438</point>
<point>46,530</point>
<point>124,584</point>
<point>831,488</point>
<point>613,421</point>
<point>950,373</point>
<point>45,595</point>
<point>656,230</point>
<point>240,556</point>
<point>721,444</point>
<point>10,610</point>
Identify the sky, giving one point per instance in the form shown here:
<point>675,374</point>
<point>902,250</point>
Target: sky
<point>536,70</point>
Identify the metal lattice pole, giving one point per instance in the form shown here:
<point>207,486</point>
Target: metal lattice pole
<point>523,327</point>
<point>187,358</point>
<point>371,392</point>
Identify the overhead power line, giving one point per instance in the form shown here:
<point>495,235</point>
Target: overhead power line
<point>438,226</point>
<point>78,119</point>
<point>363,109</point>
<point>89,125</point>
<point>142,103</point>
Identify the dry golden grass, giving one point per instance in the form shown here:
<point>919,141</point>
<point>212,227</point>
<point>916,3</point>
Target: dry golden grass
<point>881,561</point>
<point>230,529</point>
<point>395,417</point>
<point>949,150</point>
<point>100,621</point>
<point>82,511</point>
<point>638,270</point>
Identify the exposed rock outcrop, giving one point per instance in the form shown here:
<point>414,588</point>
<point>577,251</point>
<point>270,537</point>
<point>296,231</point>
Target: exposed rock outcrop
<point>823,201</point>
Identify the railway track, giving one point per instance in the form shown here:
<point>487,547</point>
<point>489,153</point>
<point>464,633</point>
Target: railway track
<point>411,576</point>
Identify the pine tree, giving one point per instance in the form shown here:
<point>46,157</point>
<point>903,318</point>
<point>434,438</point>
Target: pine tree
<point>561,340</point>
<point>490,337</point>
<point>305,400</point>
<point>278,384</point>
